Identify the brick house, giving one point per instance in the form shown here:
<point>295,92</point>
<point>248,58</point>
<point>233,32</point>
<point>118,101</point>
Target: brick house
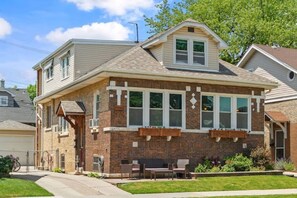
<point>168,97</point>
<point>278,64</point>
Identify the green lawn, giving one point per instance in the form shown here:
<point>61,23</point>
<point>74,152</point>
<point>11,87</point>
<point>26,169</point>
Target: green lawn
<point>212,184</point>
<point>10,187</point>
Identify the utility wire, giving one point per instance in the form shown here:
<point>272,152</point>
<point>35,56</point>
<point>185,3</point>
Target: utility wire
<point>25,47</point>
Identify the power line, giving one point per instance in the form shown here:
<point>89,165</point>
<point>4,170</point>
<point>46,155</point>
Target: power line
<point>25,47</point>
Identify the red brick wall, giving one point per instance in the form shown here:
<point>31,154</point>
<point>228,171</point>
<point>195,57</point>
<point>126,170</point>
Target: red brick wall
<point>193,146</point>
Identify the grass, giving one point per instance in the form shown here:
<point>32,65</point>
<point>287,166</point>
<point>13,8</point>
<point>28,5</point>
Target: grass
<point>263,182</point>
<point>10,187</point>
<point>262,196</point>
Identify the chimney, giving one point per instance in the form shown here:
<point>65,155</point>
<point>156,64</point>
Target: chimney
<point>2,83</point>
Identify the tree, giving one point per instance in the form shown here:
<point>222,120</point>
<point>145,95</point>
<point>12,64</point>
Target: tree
<point>31,89</point>
<point>239,22</point>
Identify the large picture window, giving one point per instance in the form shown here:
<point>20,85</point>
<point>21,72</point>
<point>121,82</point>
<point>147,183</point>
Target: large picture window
<point>135,108</point>
<point>207,112</point>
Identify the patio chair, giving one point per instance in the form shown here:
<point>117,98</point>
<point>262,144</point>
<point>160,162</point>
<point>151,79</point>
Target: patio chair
<point>130,169</point>
<point>181,167</point>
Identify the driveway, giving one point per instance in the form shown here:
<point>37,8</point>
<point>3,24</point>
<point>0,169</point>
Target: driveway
<point>65,185</point>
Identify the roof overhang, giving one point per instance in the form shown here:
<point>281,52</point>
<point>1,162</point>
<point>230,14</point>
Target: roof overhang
<point>250,52</point>
<point>276,116</point>
<point>163,37</point>
<point>70,108</point>
<point>100,75</point>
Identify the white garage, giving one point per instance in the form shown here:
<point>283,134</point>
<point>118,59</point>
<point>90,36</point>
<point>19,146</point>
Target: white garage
<point>17,139</point>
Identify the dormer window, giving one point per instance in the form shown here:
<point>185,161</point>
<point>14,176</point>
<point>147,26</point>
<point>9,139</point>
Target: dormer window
<point>3,101</point>
<point>190,51</point>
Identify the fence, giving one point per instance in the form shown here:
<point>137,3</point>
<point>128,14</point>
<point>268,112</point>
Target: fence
<point>34,160</point>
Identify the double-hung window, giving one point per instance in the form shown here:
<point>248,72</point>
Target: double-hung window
<point>175,110</point>
<point>65,66</point>
<point>3,101</point>
<point>207,111</point>
<point>156,109</point>
<point>96,110</point>
<point>63,125</point>
<point>225,112</point>
<point>135,108</point>
<point>48,117</point>
<point>49,72</point>
<point>190,51</point>
<point>242,113</point>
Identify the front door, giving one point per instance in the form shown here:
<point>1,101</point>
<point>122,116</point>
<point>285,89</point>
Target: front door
<point>279,145</point>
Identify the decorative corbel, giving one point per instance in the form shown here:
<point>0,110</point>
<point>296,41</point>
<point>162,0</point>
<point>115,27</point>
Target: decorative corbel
<point>169,138</point>
<point>218,139</point>
<point>148,138</point>
<point>235,139</point>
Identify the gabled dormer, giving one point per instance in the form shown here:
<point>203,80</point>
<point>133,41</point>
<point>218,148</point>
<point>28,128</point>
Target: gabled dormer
<point>189,46</point>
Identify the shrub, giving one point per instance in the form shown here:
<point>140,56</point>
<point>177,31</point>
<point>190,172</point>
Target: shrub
<point>211,162</point>
<point>259,168</point>
<point>201,168</point>
<point>58,170</point>
<point>239,162</point>
<point>91,174</point>
<point>284,164</point>
<point>215,169</point>
<point>261,157</point>
<point>227,168</point>
<point>6,164</point>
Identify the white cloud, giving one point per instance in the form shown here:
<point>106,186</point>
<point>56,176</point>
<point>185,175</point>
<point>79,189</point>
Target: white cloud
<point>102,31</point>
<point>5,28</point>
<point>114,7</point>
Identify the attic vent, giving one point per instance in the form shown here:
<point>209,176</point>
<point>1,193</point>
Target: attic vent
<point>191,29</point>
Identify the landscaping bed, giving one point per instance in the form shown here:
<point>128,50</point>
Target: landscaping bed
<point>239,173</point>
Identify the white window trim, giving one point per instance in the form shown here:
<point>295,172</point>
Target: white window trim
<point>46,69</point>
<point>190,64</point>
<point>233,109</point>
<point>62,131</point>
<point>5,99</point>
<point>67,66</point>
<point>146,106</point>
<point>94,107</point>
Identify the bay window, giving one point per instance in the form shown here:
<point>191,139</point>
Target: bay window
<point>156,109</point>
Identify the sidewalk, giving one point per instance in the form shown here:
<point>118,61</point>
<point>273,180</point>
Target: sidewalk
<point>65,185</point>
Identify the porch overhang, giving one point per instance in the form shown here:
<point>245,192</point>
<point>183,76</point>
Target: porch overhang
<point>279,119</point>
<point>71,110</point>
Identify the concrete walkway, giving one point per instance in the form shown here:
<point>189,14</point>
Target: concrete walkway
<point>65,185</point>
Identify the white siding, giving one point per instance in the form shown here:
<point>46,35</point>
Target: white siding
<point>57,81</point>
<point>90,56</point>
<point>264,66</point>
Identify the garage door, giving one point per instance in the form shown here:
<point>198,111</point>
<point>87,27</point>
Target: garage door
<point>18,147</point>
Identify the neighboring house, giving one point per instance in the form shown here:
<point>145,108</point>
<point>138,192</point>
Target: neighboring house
<point>278,64</point>
<point>17,123</point>
<point>168,97</point>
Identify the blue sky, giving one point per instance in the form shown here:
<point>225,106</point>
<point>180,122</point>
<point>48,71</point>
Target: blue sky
<point>31,29</point>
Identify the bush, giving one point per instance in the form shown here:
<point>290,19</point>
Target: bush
<point>215,169</point>
<point>211,162</point>
<point>259,168</point>
<point>284,164</point>
<point>201,168</point>
<point>91,174</point>
<point>227,168</point>
<point>58,170</point>
<point>6,164</point>
<point>239,162</point>
<point>261,157</point>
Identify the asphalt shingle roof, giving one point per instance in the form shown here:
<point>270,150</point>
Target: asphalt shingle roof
<point>12,125</point>
<point>23,111</point>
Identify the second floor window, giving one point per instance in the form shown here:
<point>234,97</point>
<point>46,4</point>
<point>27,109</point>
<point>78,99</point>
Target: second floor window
<point>189,51</point>
<point>49,73</point>
<point>48,117</point>
<point>65,66</point>
<point>63,125</point>
<point>4,101</point>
